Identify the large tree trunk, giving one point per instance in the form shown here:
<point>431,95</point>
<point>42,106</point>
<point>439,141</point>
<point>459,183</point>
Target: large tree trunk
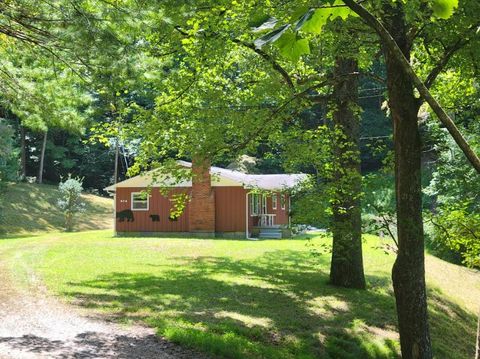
<point>409,269</point>
<point>117,150</point>
<point>347,263</point>
<point>23,153</point>
<point>42,158</point>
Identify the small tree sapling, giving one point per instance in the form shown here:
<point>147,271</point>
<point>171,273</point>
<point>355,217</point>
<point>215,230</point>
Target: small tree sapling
<point>70,201</point>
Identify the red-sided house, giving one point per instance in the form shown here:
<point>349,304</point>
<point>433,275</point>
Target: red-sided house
<point>221,202</point>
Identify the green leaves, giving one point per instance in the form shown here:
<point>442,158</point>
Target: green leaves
<point>316,21</point>
<point>291,47</point>
<point>271,36</point>
<point>313,21</point>
<point>303,19</point>
<point>289,44</point>
<point>444,8</point>
<point>341,10</point>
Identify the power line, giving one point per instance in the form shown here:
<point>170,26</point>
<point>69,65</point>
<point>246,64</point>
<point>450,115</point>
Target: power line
<point>375,137</point>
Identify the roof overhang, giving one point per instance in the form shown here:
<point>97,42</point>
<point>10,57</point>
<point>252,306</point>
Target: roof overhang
<point>221,177</point>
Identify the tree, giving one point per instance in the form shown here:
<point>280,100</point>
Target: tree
<point>409,270</point>
<point>393,45</point>
<point>8,165</point>
<point>397,32</point>
<point>216,106</point>
<point>477,355</point>
<point>45,55</point>
<point>7,152</point>
<point>203,102</point>
<point>70,201</point>
<point>44,97</point>
<point>455,191</point>
<point>344,180</point>
<point>408,273</point>
<point>347,262</point>
<point>346,268</point>
<point>23,152</point>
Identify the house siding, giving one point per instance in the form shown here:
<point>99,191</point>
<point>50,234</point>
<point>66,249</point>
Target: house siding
<point>281,214</point>
<point>158,205</point>
<point>229,211</point>
<point>230,205</point>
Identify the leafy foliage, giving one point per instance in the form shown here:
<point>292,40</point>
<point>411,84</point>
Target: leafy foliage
<point>8,163</point>
<point>72,153</point>
<point>444,8</point>
<point>454,189</point>
<point>70,202</point>
<point>8,153</point>
<point>457,228</point>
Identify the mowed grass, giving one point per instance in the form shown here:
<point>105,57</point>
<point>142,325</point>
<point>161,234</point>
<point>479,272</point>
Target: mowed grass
<point>31,208</point>
<point>246,299</point>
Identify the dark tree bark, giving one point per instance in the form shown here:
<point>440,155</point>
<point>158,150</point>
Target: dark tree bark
<point>23,153</point>
<point>42,157</point>
<point>117,150</point>
<point>347,262</point>
<point>411,297</point>
<point>477,354</point>
<point>409,269</point>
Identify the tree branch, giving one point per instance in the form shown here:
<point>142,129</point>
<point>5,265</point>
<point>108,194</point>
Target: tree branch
<point>449,52</point>
<point>392,47</point>
<point>276,66</point>
<point>386,223</point>
<point>328,80</point>
<point>374,77</point>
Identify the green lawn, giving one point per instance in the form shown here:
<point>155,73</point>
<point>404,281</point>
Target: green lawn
<point>245,299</point>
<point>31,208</point>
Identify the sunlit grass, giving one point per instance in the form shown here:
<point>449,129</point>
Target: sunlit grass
<point>244,299</point>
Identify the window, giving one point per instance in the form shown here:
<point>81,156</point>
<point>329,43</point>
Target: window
<point>254,204</point>
<point>282,201</point>
<point>274,201</point>
<point>264,204</point>
<point>140,201</point>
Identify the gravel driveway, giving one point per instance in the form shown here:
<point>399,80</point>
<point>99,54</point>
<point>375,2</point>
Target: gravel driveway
<point>35,325</point>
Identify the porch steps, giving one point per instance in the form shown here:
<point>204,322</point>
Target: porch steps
<point>270,233</point>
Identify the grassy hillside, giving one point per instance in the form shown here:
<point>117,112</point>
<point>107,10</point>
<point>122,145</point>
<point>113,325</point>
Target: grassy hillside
<point>31,208</point>
<point>246,299</point>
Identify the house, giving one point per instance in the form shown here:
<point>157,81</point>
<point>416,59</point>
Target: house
<point>221,202</point>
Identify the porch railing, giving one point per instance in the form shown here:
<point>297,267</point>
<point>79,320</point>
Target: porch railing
<point>267,220</point>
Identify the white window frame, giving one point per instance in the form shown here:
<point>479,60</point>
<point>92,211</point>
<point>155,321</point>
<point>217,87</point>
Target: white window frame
<point>254,204</point>
<point>132,201</point>
<point>274,201</point>
<point>283,201</point>
<point>264,204</point>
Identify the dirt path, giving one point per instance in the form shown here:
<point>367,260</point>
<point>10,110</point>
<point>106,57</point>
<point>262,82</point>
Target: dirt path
<point>35,325</point>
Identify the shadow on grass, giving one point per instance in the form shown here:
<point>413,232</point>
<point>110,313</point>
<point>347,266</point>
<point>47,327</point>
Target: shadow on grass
<point>92,344</point>
<point>33,207</point>
<point>275,306</point>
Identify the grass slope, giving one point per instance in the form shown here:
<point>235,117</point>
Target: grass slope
<point>244,299</point>
<point>31,208</point>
